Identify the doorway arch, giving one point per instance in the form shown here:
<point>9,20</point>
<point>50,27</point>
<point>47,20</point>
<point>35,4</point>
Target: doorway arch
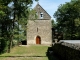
<point>38,40</point>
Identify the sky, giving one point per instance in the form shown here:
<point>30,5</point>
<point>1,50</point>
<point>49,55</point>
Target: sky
<point>50,5</point>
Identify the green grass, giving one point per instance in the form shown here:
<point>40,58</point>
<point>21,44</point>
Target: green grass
<point>24,58</point>
<point>26,53</point>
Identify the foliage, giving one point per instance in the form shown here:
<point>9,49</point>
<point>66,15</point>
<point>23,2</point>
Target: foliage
<point>66,16</point>
<point>3,45</point>
<point>19,12</point>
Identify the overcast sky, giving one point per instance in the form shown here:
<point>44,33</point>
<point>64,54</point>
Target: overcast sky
<point>50,5</point>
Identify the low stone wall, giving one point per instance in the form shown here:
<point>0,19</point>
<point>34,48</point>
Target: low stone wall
<point>67,51</point>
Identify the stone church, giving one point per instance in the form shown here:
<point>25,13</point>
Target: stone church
<point>39,31</point>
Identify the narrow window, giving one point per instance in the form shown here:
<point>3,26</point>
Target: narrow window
<point>37,29</point>
<point>41,15</point>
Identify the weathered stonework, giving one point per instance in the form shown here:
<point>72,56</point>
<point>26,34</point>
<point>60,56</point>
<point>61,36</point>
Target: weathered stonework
<point>40,27</point>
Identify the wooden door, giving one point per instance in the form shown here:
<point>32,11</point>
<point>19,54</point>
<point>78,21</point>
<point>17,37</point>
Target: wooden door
<point>38,40</point>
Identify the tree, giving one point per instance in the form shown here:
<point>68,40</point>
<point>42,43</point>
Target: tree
<point>66,15</point>
<point>19,12</point>
<point>5,24</point>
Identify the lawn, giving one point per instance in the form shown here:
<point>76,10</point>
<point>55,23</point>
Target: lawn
<point>34,52</point>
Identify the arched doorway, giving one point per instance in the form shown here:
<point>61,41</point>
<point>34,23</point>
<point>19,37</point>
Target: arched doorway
<point>38,40</point>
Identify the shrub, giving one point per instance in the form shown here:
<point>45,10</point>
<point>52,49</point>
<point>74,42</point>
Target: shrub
<point>3,45</point>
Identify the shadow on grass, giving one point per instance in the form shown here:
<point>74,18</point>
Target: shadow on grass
<point>50,54</point>
<point>22,56</point>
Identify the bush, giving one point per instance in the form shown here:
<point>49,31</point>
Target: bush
<point>3,45</point>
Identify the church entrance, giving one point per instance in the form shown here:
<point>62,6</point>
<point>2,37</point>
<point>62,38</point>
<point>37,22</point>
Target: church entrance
<point>38,40</point>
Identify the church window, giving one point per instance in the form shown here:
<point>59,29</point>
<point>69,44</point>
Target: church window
<point>37,29</point>
<point>41,15</point>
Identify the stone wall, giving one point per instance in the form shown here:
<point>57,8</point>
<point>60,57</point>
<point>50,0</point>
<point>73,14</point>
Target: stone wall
<point>67,51</point>
<point>39,10</point>
<point>40,28</point>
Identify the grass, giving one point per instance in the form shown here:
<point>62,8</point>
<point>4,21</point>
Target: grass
<point>35,52</point>
<point>24,58</point>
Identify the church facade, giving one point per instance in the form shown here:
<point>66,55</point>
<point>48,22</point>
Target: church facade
<point>39,31</point>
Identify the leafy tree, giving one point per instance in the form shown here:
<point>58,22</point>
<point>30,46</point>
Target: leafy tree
<point>19,12</point>
<point>66,16</point>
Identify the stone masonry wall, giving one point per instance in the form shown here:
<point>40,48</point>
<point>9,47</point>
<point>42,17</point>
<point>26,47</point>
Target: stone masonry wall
<point>40,28</point>
<point>67,51</point>
<point>39,10</point>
